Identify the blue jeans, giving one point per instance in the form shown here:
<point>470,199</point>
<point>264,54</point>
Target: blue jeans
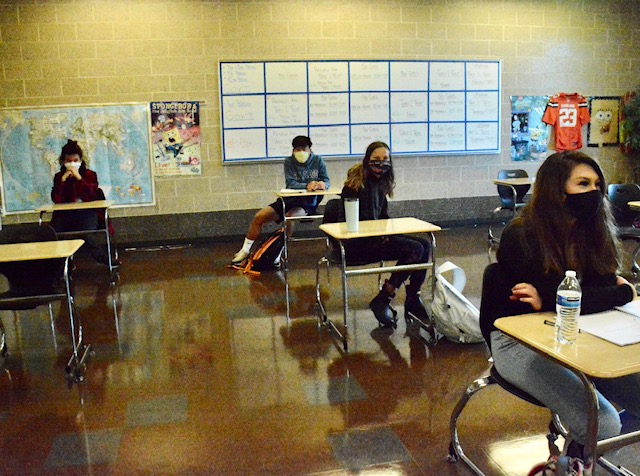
<point>560,390</point>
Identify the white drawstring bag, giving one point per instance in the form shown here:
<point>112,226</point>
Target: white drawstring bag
<point>456,318</point>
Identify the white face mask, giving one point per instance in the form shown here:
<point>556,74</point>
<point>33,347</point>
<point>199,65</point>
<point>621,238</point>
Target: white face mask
<point>301,156</point>
<point>72,165</point>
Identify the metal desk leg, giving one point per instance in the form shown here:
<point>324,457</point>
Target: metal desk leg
<point>345,298</point>
<point>112,254</point>
<point>285,259</point>
<point>590,455</point>
<point>76,366</point>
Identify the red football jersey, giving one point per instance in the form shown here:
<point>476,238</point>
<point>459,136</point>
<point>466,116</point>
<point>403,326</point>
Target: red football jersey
<point>567,113</point>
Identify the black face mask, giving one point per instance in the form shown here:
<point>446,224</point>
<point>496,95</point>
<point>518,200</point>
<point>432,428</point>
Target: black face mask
<point>584,206</point>
<point>379,168</point>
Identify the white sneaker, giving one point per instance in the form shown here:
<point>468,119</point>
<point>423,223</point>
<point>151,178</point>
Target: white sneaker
<point>239,257</point>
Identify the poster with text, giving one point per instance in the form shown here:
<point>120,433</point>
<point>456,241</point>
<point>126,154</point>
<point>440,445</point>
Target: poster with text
<point>175,132</point>
<point>529,135</point>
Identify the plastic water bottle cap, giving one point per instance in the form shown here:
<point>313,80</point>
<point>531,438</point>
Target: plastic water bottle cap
<point>571,274</point>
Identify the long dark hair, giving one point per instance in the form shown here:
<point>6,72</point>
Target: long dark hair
<point>360,173</point>
<point>72,148</point>
<point>564,242</point>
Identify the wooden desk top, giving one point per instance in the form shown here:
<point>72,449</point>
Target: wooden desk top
<point>75,206</point>
<point>634,205</point>
<point>288,192</point>
<point>591,355</point>
<point>39,250</point>
<point>515,181</point>
<point>368,228</point>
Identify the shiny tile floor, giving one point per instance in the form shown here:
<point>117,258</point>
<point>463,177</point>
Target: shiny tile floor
<point>197,372</point>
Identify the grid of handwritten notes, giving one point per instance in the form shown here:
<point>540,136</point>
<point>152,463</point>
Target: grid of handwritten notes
<point>417,107</point>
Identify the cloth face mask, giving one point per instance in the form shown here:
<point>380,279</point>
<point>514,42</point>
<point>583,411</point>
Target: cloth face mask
<point>301,156</point>
<point>72,165</point>
<point>584,206</point>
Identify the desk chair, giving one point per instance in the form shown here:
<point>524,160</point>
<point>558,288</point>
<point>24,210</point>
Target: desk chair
<point>511,198</point>
<point>36,283</point>
<point>490,278</point>
<point>31,283</point>
<point>105,227</point>
<point>619,195</point>
<point>311,217</point>
<point>335,255</point>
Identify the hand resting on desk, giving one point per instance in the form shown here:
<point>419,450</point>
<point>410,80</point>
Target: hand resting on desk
<point>315,185</point>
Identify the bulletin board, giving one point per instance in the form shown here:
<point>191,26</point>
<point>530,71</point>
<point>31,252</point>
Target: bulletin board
<point>417,107</point>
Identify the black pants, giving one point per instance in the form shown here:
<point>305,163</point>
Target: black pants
<point>406,249</point>
<point>80,220</point>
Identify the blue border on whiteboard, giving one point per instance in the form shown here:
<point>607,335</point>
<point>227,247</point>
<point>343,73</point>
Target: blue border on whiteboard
<point>389,124</point>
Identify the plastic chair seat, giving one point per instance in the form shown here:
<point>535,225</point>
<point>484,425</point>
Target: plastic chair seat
<point>511,198</point>
<point>619,196</point>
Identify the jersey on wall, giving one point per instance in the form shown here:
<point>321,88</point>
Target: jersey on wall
<point>567,113</point>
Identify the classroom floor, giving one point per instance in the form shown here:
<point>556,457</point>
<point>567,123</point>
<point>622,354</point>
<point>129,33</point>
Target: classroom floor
<point>197,372</point>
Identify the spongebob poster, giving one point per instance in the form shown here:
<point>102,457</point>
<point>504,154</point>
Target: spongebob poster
<point>175,129</point>
<point>529,135</point>
<point>605,116</point>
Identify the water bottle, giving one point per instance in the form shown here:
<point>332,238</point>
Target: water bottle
<point>568,308</point>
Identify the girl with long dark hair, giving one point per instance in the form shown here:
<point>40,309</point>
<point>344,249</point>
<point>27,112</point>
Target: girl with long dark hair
<point>567,225</point>
<point>372,182</point>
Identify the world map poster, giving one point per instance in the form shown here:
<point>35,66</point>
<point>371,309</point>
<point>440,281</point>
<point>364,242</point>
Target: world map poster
<point>115,140</point>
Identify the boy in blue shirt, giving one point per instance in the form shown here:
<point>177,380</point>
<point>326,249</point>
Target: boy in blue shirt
<point>302,170</point>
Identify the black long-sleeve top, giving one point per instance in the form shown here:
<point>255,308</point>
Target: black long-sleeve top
<point>522,264</point>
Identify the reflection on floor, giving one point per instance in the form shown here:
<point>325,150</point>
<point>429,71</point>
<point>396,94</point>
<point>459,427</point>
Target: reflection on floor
<point>197,372</point>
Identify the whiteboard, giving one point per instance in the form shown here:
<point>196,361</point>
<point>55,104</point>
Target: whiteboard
<point>418,107</point>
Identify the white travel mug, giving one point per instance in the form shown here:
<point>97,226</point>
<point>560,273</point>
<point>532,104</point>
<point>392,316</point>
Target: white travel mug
<point>352,214</point>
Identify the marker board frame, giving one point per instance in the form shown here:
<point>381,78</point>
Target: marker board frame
<point>418,107</point>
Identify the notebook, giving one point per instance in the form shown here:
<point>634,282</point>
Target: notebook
<point>620,326</point>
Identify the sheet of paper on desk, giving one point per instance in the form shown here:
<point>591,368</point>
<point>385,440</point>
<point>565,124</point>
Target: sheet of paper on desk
<point>293,190</point>
<point>617,327</point>
<point>632,307</point>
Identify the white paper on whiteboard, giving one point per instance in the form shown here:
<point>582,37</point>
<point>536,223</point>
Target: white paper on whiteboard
<point>409,107</point>
<point>446,76</point>
<point>409,137</point>
<point>244,144</point>
<point>482,136</point>
<point>279,140</point>
<point>446,106</point>
<point>286,77</point>
<point>328,76</point>
<point>482,106</point>
<point>330,140</point>
<point>241,78</point>
<point>369,107</point>
<point>286,110</point>
<point>447,137</point>
<point>362,136</point>
<point>328,108</point>
<point>482,76</point>
<point>242,111</point>
<point>369,76</point>
<point>409,76</point>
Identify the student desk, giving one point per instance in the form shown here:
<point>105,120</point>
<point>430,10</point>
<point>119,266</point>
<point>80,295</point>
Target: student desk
<point>45,250</point>
<point>96,204</point>
<point>373,228</point>
<point>292,193</point>
<point>589,357</point>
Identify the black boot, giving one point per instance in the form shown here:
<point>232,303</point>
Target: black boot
<point>380,307</point>
<point>414,307</point>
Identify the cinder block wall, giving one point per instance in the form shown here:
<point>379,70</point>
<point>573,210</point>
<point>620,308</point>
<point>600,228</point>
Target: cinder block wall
<point>87,52</point>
